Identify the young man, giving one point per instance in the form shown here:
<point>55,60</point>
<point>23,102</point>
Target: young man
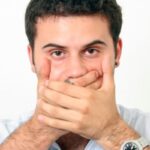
<point>74,47</point>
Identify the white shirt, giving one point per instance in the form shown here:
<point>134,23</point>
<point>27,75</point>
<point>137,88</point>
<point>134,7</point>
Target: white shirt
<point>136,119</point>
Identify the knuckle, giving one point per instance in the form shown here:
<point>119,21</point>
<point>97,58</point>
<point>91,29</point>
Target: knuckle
<point>80,120</point>
<point>77,127</point>
<point>85,108</point>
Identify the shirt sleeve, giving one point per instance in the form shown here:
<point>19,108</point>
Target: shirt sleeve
<point>138,120</point>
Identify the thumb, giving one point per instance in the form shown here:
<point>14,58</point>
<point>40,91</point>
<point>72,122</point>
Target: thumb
<point>44,71</point>
<point>108,73</point>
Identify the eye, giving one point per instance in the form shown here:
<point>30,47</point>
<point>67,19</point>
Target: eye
<point>91,52</point>
<point>58,54</point>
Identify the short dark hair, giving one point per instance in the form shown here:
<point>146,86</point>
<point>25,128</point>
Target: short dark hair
<point>44,8</point>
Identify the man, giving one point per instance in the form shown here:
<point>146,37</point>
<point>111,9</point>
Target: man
<point>74,47</point>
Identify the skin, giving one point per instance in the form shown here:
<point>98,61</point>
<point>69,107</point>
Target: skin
<point>86,50</point>
<point>87,108</point>
<point>89,48</point>
<point>78,33</point>
<point>75,50</point>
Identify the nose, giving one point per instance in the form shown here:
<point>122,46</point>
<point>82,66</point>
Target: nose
<point>76,68</point>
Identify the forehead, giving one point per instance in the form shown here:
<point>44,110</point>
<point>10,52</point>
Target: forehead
<point>72,28</point>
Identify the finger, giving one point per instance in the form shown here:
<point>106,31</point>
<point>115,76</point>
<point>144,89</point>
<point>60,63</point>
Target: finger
<point>60,112</point>
<point>108,73</point>
<point>69,89</point>
<point>59,99</point>
<point>87,79</point>
<point>59,124</point>
<point>44,71</point>
<point>95,85</point>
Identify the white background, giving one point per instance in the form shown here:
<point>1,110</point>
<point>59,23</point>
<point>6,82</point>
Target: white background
<point>18,83</point>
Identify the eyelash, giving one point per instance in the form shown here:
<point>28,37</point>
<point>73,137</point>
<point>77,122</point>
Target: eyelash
<point>95,51</point>
<point>57,53</point>
<point>92,49</point>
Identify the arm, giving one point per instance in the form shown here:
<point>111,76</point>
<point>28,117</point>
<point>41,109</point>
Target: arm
<point>31,135</point>
<point>89,113</point>
<point>136,124</point>
<point>115,136</point>
<point>85,118</point>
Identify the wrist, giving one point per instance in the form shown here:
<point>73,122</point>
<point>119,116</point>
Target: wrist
<point>116,134</point>
<point>138,144</point>
<point>41,130</point>
<point>30,135</point>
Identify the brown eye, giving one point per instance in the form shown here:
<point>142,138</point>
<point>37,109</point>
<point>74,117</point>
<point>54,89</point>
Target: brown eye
<point>91,52</point>
<point>57,54</point>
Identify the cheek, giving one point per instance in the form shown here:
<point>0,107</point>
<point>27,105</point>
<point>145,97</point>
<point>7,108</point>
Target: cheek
<point>43,69</point>
<point>49,69</point>
<point>42,65</point>
<point>57,72</point>
<point>95,65</point>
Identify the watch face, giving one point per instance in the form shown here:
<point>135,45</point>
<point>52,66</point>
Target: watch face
<point>130,146</point>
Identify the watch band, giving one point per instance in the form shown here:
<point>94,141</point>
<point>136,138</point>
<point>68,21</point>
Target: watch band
<point>138,144</point>
<point>143,142</point>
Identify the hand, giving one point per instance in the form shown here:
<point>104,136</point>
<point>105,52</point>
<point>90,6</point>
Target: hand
<point>90,80</point>
<point>80,110</point>
<point>53,133</point>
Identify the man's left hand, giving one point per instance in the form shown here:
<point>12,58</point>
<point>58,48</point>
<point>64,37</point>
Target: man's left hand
<point>87,112</point>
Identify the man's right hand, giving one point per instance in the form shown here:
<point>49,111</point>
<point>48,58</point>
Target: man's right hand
<point>89,80</point>
<point>47,132</point>
<point>35,135</point>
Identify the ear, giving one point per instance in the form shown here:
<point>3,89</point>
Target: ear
<point>118,52</point>
<point>30,54</point>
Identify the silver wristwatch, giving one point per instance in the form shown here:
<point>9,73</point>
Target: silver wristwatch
<point>138,144</point>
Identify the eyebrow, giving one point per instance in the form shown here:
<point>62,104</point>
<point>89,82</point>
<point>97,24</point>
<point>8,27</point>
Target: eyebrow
<point>85,46</point>
<point>94,43</point>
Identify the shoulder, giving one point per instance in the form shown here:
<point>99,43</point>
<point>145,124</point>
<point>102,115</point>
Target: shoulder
<point>137,119</point>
